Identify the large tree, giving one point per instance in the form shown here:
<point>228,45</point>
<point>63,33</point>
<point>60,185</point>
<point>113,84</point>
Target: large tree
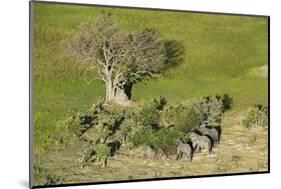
<point>120,58</point>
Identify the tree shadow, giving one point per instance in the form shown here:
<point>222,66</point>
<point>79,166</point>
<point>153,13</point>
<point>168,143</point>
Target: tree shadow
<point>175,52</point>
<point>117,123</point>
<point>114,147</point>
<point>174,56</point>
<point>227,102</point>
<point>128,89</point>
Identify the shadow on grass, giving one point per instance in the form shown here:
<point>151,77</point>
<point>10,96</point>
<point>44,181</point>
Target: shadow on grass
<point>175,52</point>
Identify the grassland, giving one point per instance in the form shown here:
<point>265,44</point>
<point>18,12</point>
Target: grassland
<point>222,54</point>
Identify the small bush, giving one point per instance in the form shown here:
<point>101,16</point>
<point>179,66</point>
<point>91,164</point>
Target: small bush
<point>125,128</point>
<point>162,140</point>
<point>79,124</point>
<point>141,136</point>
<point>187,120</point>
<point>103,131</point>
<point>87,156</point>
<point>149,115</point>
<point>209,108</point>
<point>92,153</point>
<point>257,116</point>
<point>102,151</point>
<point>97,126</point>
<point>107,126</point>
<point>190,114</point>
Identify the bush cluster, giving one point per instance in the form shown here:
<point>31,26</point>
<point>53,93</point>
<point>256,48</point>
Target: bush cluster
<point>155,125</point>
<point>257,116</point>
<point>159,126</point>
<point>78,123</point>
<point>209,109</point>
<point>149,115</point>
<point>95,128</point>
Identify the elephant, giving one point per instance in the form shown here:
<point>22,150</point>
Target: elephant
<point>219,130</point>
<point>183,148</point>
<point>209,131</point>
<point>201,141</point>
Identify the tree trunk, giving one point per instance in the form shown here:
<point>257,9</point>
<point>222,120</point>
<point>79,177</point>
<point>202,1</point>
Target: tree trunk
<point>117,94</point>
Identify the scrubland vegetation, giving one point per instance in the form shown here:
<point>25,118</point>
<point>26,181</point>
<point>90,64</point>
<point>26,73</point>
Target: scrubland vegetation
<point>218,75</point>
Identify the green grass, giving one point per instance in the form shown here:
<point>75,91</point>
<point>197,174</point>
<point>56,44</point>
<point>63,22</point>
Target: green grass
<point>220,55</point>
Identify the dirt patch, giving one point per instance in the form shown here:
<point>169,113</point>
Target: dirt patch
<point>260,71</point>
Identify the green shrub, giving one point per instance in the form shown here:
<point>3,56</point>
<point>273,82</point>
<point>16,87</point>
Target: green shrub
<point>149,115</point>
<point>96,126</point>
<point>187,120</point>
<point>184,117</point>
<point>141,136</point>
<point>159,127</point>
<point>78,124</point>
<point>103,130</point>
<point>257,116</point>
<point>161,140</point>
<point>102,151</point>
<point>87,155</point>
<point>92,153</point>
<point>107,126</point>
<point>209,108</point>
<point>164,140</point>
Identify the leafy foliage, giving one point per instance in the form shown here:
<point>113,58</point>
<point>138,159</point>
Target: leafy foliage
<point>95,127</point>
<point>209,109</point>
<point>257,116</point>
<point>159,127</point>
<point>190,114</point>
<point>78,124</point>
<point>187,119</point>
<point>150,113</point>
<point>86,156</point>
<point>154,125</point>
<point>141,136</point>
<point>102,151</point>
<point>162,140</point>
<point>107,126</point>
<point>183,117</point>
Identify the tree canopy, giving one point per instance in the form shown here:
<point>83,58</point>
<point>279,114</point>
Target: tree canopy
<point>120,58</point>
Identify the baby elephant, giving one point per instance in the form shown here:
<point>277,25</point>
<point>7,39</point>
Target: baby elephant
<point>183,148</point>
<point>199,141</point>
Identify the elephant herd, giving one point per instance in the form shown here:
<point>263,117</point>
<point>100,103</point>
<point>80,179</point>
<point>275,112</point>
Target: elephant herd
<point>204,137</point>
